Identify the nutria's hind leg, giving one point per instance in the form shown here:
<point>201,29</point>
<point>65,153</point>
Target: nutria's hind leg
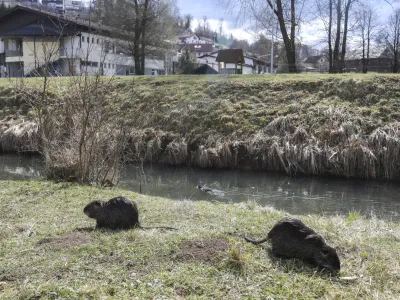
<point>276,253</point>
<point>99,225</point>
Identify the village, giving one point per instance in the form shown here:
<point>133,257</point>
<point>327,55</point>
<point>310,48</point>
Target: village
<point>71,45</point>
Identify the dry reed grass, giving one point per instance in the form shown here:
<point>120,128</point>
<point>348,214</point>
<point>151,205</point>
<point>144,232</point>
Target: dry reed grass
<point>317,126</point>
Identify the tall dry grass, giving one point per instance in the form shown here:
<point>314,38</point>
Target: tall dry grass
<point>296,127</point>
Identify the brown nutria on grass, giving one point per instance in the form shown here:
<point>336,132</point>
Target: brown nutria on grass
<point>291,238</point>
<point>116,213</point>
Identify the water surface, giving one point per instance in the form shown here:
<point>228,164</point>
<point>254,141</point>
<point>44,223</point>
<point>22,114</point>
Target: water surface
<point>296,195</point>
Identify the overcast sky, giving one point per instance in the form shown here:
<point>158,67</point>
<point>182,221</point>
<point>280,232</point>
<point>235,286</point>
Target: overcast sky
<point>309,31</point>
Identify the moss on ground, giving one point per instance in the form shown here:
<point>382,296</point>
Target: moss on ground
<point>48,250</point>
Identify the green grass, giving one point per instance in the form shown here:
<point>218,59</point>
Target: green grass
<point>43,255</point>
<point>205,104</point>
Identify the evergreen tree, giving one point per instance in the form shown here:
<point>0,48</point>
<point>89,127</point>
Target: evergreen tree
<point>186,63</point>
<point>3,8</point>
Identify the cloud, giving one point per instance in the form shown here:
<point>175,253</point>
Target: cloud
<point>312,33</point>
<point>240,33</point>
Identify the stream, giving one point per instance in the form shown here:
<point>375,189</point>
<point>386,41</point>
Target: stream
<point>296,195</point>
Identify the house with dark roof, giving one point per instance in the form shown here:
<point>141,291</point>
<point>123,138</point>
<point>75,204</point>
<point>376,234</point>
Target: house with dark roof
<point>35,40</point>
<point>230,61</point>
<point>381,60</point>
<point>199,49</point>
<point>316,63</point>
<point>230,65</point>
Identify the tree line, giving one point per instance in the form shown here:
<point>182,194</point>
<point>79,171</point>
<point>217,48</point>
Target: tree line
<point>341,21</point>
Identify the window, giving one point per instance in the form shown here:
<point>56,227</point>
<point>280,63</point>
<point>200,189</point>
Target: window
<point>109,65</point>
<point>106,46</point>
<point>95,64</point>
<point>92,40</point>
<point>88,40</point>
<point>83,38</point>
<point>12,45</point>
<point>112,66</point>
<point>98,41</point>
<point>101,65</point>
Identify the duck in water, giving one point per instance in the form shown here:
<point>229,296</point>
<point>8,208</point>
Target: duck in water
<point>204,189</point>
<point>210,191</point>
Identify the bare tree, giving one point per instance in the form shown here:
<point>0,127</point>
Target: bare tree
<point>335,15</point>
<point>366,30</point>
<point>205,24</point>
<point>220,26</point>
<point>392,38</point>
<point>147,25</point>
<point>288,14</point>
<point>188,21</point>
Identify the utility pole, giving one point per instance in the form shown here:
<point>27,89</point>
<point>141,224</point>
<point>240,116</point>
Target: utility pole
<point>272,42</point>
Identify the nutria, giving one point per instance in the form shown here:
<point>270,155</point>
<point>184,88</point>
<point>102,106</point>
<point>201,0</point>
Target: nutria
<point>116,213</point>
<point>291,238</point>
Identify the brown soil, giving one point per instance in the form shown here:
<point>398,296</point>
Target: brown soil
<point>68,240</point>
<point>206,251</point>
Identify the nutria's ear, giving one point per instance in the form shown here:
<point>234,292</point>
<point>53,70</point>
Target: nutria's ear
<point>316,239</point>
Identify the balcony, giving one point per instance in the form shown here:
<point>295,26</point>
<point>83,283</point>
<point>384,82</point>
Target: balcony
<point>14,53</point>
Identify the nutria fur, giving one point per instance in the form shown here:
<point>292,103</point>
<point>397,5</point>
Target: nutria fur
<point>116,213</point>
<point>291,238</point>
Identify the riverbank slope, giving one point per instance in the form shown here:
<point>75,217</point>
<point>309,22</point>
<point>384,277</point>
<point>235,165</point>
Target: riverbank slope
<point>49,250</point>
<point>343,125</point>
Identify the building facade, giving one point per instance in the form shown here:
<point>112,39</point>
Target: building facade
<point>34,41</point>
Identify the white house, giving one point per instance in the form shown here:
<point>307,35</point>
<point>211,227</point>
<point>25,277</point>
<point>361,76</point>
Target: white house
<point>251,65</point>
<point>34,39</point>
<point>317,63</point>
<point>194,39</point>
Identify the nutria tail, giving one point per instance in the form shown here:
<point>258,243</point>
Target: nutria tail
<point>256,242</point>
<point>156,227</point>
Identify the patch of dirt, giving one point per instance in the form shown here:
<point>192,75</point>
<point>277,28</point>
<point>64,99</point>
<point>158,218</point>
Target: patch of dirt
<point>8,277</point>
<point>206,251</point>
<point>68,240</point>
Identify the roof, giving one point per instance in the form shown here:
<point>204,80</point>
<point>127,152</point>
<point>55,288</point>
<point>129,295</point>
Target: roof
<point>22,20</point>
<point>185,36</point>
<point>228,56</point>
<point>208,55</point>
<point>206,39</point>
<point>257,59</point>
<point>199,47</point>
<point>204,69</point>
<point>313,59</point>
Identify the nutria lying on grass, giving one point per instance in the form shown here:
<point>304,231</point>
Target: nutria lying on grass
<point>116,213</point>
<point>291,238</point>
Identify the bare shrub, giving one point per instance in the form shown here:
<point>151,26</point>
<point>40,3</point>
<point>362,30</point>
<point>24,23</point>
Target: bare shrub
<point>81,137</point>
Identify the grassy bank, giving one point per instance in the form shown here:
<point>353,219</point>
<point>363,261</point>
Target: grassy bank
<point>48,251</point>
<point>342,125</point>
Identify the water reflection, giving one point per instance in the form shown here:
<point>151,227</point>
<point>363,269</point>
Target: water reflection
<point>15,167</point>
<point>300,195</point>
